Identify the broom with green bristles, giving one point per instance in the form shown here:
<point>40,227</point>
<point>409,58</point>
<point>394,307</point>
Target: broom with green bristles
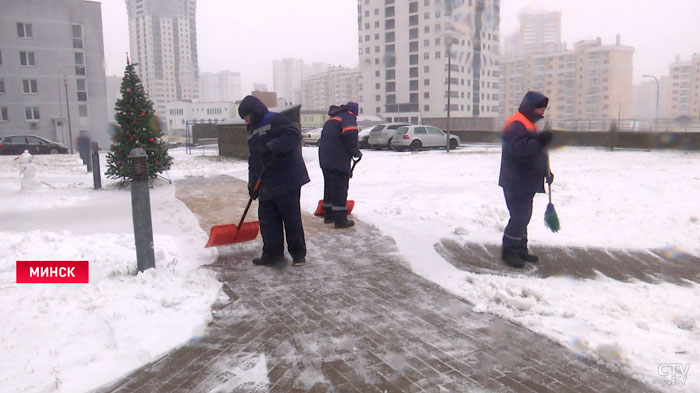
<point>551,220</point>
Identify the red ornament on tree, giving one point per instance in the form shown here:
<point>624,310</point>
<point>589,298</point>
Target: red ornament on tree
<point>131,139</point>
<point>128,90</point>
<point>143,114</point>
<point>152,139</point>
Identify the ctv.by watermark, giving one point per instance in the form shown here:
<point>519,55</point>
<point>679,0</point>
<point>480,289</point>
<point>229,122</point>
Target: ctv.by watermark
<point>675,373</point>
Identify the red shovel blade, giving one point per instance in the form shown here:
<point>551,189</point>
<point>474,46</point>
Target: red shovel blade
<point>321,211</point>
<point>221,235</point>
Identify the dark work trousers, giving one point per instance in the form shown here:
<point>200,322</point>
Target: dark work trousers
<point>520,208</point>
<point>335,193</point>
<point>282,213</point>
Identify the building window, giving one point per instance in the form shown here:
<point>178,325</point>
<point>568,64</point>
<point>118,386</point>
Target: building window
<point>390,99</point>
<point>390,87</point>
<point>426,95</point>
<point>3,113</point>
<point>413,98</point>
<point>83,110</point>
<point>426,82</point>
<point>378,97</point>
<point>377,85</point>
<point>413,46</point>
<point>79,63</point>
<point>413,34</point>
<point>81,89</point>
<point>413,20</point>
<point>26,59</point>
<point>413,72</point>
<point>24,30</point>
<point>413,85</point>
<point>426,69</point>
<point>31,113</point>
<point>390,74</point>
<point>29,86</point>
<point>426,108</point>
<point>77,31</point>
<point>2,86</point>
<point>389,36</point>
<point>389,12</point>
<point>413,59</point>
<point>413,7</point>
<point>389,24</point>
<point>377,73</point>
<point>0,57</point>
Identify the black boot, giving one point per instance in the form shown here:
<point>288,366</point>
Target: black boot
<point>525,254</point>
<point>266,260</point>
<point>341,219</point>
<point>512,258</point>
<point>328,218</point>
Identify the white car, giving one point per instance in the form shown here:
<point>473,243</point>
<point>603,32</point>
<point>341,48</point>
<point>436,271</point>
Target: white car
<point>419,137</point>
<point>311,137</point>
<point>380,136</point>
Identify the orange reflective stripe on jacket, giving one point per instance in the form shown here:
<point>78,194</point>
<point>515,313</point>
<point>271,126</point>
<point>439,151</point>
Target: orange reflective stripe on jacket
<point>521,118</point>
<point>348,129</point>
<point>336,118</point>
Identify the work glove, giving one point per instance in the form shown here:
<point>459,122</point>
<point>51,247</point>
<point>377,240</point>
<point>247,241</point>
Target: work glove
<point>358,155</point>
<point>545,137</point>
<point>266,155</point>
<point>252,192</point>
<point>549,178</point>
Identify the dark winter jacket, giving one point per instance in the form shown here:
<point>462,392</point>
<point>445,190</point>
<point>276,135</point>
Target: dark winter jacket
<point>338,143</point>
<point>285,169</point>
<point>523,158</point>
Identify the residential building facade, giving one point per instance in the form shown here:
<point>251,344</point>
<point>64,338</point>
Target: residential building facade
<point>336,86</point>
<point>52,79</point>
<point>403,53</point>
<point>538,33</point>
<point>219,86</point>
<point>163,42</point>
<point>591,82</point>
<point>684,80</point>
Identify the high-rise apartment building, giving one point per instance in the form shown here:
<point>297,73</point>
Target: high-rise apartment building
<point>684,80</point>
<point>51,51</point>
<point>538,33</point>
<point>336,86</point>
<point>591,82</point>
<point>288,74</point>
<point>163,41</point>
<point>220,86</point>
<point>403,51</point>
<point>286,77</point>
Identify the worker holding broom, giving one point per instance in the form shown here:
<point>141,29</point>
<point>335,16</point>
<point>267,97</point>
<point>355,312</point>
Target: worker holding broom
<point>274,147</point>
<point>336,148</point>
<point>524,168</point>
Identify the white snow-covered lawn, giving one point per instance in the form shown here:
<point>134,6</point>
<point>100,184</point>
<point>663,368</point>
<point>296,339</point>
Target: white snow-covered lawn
<point>72,338</point>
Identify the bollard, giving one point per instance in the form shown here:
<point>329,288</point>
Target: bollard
<point>96,174</point>
<point>141,209</point>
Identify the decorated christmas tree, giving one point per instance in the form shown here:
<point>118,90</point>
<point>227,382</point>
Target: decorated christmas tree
<point>137,127</point>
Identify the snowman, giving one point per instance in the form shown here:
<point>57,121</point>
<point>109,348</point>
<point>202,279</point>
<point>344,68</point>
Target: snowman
<point>28,171</point>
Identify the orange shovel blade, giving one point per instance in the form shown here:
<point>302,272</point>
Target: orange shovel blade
<point>221,235</point>
<point>321,211</point>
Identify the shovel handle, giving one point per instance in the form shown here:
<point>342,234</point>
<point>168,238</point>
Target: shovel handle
<point>250,199</point>
<point>354,162</point>
<point>549,173</point>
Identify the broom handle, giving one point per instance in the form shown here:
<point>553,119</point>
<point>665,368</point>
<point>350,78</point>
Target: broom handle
<point>354,162</point>
<point>250,200</point>
<point>549,173</point>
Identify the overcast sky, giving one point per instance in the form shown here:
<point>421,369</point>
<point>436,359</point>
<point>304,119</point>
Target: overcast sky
<point>246,35</point>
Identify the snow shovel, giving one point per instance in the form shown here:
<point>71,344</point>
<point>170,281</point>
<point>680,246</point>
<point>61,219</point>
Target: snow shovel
<point>350,204</point>
<point>221,235</point>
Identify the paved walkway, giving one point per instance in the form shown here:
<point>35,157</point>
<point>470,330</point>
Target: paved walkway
<point>354,319</point>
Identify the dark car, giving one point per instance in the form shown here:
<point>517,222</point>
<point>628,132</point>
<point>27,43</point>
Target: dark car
<point>17,144</point>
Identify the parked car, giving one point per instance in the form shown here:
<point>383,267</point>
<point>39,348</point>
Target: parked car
<point>380,136</point>
<point>363,137</point>
<point>419,137</point>
<point>17,144</point>
<point>311,137</point>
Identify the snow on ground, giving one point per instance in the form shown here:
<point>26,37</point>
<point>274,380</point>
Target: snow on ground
<point>621,199</point>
